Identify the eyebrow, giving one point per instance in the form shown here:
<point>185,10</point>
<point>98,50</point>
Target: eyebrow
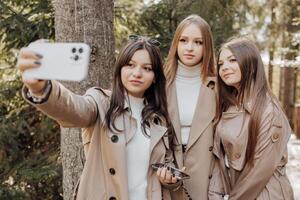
<point>200,38</point>
<point>143,63</point>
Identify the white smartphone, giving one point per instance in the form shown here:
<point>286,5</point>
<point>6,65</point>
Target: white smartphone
<point>60,61</point>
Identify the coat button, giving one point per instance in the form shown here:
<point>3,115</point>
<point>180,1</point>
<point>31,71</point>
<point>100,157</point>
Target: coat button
<point>112,198</point>
<point>210,148</point>
<point>114,138</point>
<point>275,137</point>
<point>112,171</point>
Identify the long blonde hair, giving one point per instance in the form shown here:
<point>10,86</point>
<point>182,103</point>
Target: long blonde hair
<point>208,60</point>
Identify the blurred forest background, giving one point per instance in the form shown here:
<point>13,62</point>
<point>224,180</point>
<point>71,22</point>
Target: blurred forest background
<point>30,159</point>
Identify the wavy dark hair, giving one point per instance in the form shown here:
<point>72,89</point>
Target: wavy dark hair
<point>155,109</point>
<point>253,85</point>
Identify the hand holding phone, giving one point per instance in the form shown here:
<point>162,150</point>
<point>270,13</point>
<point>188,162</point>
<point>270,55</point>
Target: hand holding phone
<point>177,173</point>
<point>60,61</point>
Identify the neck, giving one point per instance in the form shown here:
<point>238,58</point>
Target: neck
<point>188,72</point>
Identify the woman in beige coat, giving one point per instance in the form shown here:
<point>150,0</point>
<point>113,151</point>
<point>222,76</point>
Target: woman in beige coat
<point>129,128</point>
<point>189,71</point>
<point>250,144</point>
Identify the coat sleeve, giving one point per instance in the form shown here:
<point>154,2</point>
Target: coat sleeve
<point>271,146</point>
<point>68,108</point>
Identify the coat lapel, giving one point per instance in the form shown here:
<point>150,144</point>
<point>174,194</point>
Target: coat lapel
<point>173,110</point>
<point>174,115</point>
<point>156,133</point>
<point>204,114</point>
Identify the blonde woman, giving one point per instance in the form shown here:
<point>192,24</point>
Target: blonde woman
<point>189,70</point>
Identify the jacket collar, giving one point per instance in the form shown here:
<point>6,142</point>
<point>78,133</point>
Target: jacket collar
<point>204,113</point>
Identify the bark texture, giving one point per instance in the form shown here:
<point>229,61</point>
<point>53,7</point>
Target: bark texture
<point>89,21</point>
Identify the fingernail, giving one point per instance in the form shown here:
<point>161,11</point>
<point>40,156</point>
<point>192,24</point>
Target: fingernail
<point>39,55</point>
<point>37,62</point>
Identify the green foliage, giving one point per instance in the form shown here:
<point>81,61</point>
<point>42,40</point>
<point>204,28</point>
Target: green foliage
<point>161,19</point>
<point>29,148</point>
<point>23,21</point>
<point>30,166</point>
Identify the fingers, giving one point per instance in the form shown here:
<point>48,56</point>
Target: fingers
<point>174,179</point>
<point>24,64</point>
<point>25,52</point>
<point>165,176</point>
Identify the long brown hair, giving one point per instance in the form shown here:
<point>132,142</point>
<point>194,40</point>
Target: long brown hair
<point>208,60</point>
<point>155,109</point>
<point>253,85</point>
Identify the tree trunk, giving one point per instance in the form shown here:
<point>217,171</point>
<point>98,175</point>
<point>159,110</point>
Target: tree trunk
<point>287,82</point>
<point>272,43</point>
<point>89,21</point>
<point>286,91</point>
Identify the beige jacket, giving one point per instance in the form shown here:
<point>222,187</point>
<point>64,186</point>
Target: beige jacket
<point>104,176</point>
<point>198,155</point>
<point>267,180</point>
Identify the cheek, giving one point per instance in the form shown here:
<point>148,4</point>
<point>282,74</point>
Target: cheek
<point>151,78</point>
<point>179,49</point>
<point>123,75</point>
<point>239,75</point>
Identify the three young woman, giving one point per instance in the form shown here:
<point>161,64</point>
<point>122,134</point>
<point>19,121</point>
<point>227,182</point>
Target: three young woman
<point>129,128</point>
<point>190,75</point>
<point>252,132</point>
<point>251,135</point>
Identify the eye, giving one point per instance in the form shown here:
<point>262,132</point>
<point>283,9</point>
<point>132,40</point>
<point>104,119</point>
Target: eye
<point>130,64</point>
<point>182,40</point>
<point>148,68</point>
<point>199,42</point>
<point>220,64</point>
<point>232,60</point>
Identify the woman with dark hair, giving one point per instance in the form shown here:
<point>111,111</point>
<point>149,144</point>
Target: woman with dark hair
<point>252,132</point>
<point>127,129</point>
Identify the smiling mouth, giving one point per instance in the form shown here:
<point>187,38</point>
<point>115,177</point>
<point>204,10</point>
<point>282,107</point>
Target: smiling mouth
<point>227,75</point>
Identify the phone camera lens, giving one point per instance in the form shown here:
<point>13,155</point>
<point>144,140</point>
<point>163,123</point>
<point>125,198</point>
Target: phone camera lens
<point>76,57</point>
<point>73,50</point>
<point>80,50</point>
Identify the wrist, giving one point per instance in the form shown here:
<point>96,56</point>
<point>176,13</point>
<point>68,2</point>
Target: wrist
<point>41,92</point>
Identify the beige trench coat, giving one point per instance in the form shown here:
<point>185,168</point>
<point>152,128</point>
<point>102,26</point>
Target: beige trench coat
<point>198,156</point>
<point>104,176</point>
<point>267,180</point>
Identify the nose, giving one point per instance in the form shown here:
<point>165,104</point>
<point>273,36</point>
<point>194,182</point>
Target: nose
<point>137,72</point>
<point>224,67</point>
<point>189,46</point>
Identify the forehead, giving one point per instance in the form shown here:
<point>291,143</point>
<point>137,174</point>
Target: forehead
<point>141,56</point>
<point>225,53</point>
<point>192,30</point>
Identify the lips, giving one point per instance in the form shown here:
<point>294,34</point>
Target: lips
<point>136,82</point>
<point>227,75</point>
<point>189,56</point>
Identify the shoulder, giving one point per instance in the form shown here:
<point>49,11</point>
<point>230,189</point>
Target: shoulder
<point>98,94</point>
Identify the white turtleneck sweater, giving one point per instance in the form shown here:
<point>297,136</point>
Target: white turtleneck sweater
<point>138,154</point>
<point>188,84</point>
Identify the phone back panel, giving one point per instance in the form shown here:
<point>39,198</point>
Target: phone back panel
<point>61,61</point>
